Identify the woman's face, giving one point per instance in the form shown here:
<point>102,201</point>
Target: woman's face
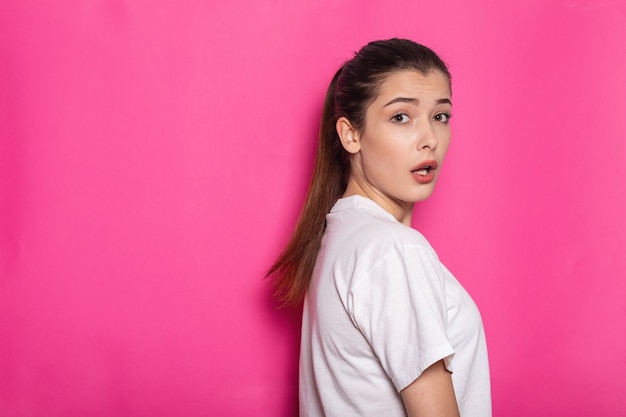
<point>396,157</point>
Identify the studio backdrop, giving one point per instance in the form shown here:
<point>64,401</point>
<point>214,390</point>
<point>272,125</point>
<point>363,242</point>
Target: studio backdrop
<point>154,156</point>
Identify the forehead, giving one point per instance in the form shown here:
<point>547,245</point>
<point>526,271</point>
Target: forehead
<point>414,84</point>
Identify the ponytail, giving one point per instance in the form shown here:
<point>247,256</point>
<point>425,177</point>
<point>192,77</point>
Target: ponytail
<point>292,271</point>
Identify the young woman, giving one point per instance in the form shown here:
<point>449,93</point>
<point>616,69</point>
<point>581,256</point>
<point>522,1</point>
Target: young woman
<point>387,330</point>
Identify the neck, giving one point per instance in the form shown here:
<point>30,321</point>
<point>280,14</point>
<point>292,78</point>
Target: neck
<point>401,210</point>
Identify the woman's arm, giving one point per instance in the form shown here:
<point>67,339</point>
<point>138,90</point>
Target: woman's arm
<point>431,394</point>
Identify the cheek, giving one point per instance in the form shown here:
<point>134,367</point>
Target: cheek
<point>382,150</point>
<point>444,141</point>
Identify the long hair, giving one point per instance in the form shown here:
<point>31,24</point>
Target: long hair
<point>351,91</point>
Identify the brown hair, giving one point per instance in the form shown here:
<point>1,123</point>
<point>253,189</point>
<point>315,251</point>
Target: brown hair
<point>351,91</point>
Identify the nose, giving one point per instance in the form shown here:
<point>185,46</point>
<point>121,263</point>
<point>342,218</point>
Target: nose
<point>427,137</point>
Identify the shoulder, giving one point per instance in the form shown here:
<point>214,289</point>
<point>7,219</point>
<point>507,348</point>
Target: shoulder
<point>380,246</point>
<point>359,231</point>
<point>383,233</point>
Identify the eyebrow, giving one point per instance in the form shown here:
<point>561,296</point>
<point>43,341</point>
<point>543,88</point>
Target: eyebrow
<point>413,100</point>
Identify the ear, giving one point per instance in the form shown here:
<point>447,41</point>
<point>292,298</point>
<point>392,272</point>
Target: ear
<point>349,136</point>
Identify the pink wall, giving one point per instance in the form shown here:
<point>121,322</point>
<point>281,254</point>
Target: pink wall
<point>154,155</point>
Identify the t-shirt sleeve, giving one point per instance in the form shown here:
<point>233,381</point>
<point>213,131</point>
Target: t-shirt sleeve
<point>400,308</point>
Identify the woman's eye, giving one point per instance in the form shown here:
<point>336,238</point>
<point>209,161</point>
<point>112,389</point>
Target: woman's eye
<point>400,118</point>
<point>442,118</point>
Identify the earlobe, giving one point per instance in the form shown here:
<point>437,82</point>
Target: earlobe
<point>348,135</point>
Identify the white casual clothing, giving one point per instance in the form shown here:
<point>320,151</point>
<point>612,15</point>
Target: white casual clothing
<point>380,309</point>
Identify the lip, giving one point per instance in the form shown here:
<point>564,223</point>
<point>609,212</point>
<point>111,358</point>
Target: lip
<point>428,178</point>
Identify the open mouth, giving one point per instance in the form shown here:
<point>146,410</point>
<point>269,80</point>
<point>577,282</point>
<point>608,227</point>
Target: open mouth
<point>425,168</point>
<point>423,171</point>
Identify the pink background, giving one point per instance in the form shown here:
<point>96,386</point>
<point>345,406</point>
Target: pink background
<point>154,156</point>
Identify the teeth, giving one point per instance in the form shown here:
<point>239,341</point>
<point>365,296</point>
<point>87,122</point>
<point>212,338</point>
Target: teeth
<point>423,171</point>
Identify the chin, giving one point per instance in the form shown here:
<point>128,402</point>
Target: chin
<point>423,195</point>
<point>421,199</point>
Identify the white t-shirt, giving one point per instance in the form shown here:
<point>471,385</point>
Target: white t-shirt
<point>380,309</point>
